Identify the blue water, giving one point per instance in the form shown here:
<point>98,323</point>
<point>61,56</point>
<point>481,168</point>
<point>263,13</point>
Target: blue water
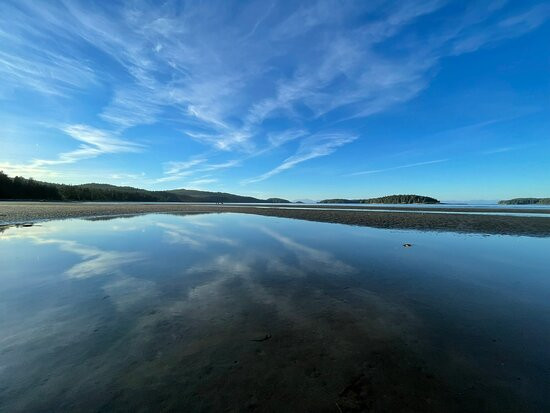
<point>234,312</point>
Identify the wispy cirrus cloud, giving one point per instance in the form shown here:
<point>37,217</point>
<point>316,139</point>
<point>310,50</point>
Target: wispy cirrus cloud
<point>93,143</point>
<point>183,57</point>
<point>49,74</point>
<point>313,147</point>
<point>176,170</point>
<point>180,168</point>
<point>237,78</point>
<point>201,182</point>
<point>473,38</point>
<point>510,148</point>
<point>410,165</point>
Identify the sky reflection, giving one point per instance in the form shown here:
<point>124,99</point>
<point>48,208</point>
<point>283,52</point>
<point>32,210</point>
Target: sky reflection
<point>114,313</point>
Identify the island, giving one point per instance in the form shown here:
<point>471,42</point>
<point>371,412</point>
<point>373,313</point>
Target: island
<point>390,199</point>
<point>525,201</point>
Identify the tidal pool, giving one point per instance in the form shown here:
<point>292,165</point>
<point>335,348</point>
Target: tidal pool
<point>230,312</point>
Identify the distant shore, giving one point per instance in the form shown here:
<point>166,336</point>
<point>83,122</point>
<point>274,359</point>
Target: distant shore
<point>390,217</point>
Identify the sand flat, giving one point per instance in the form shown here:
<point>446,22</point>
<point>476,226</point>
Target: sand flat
<point>518,222</point>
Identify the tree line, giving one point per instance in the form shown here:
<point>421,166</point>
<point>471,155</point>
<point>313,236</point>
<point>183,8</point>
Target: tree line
<point>390,199</point>
<point>29,189</point>
<point>526,201</point>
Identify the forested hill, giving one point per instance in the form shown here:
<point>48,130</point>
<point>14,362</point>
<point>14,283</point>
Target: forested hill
<point>526,201</point>
<point>390,199</point>
<point>191,195</point>
<point>21,188</point>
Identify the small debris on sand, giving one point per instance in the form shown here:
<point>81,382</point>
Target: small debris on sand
<point>267,337</point>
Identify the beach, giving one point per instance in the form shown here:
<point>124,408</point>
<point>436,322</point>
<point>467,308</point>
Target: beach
<point>509,221</point>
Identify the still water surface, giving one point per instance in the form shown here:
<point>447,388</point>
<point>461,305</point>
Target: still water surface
<point>230,312</point>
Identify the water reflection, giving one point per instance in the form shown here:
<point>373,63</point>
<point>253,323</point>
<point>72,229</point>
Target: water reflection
<point>92,260</point>
<point>236,312</point>
<point>192,236</point>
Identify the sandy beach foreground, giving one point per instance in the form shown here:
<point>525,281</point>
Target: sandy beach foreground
<point>465,220</point>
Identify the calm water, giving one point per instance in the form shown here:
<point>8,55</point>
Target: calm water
<point>229,312</point>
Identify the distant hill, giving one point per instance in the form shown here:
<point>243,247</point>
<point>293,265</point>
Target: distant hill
<point>390,199</point>
<point>277,201</point>
<point>21,188</point>
<point>305,201</point>
<point>526,201</point>
<point>191,195</point>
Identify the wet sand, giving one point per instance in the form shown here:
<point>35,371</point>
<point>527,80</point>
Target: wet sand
<point>517,223</point>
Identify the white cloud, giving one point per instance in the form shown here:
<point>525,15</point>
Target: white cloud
<point>310,148</point>
<point>28,170</point>
<point>510,148</point>
<point>411,165</point>
<point>46,73</point>
<point>473,38</point>
<point>213,64</point>
<point>230,74</point>
<point>94,143</point>
<point>132,106</point>
<point>200,182</point>
<point>177,170</point>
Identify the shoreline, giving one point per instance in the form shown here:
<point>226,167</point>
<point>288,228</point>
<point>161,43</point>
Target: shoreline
<point>407,218</point>
<point>523,209</point>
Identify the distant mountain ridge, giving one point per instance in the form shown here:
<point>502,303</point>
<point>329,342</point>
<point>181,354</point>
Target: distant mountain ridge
<point>525,201</point>
<point>390,199</point>
<point>21,188</point>
<point>305,201</point>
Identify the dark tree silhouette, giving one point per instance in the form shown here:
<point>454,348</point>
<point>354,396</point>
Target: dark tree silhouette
<point>526,201</point>
<point>390,199</point>
<point>29,189</point>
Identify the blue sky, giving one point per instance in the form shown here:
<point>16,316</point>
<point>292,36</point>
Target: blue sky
<point>291,99</point>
